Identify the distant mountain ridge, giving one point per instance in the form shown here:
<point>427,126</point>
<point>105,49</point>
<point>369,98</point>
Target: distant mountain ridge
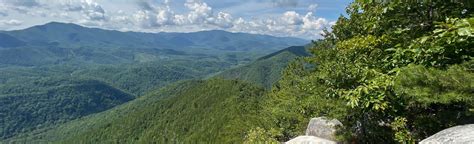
<point>65,42</point>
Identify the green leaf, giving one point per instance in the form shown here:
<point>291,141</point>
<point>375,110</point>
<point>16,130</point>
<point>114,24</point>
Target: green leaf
<point>390,49</point>
<point>471,21</point>
<point>423,39</point>
<point>436,31</point>
<point>464,32</point>
<point>366,91</point>
<point>462,23</point>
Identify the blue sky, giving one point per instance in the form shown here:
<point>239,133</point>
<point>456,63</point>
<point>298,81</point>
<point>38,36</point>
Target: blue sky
<point>295,18</point>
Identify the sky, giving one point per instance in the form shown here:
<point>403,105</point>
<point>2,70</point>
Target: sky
<point>289,18</point>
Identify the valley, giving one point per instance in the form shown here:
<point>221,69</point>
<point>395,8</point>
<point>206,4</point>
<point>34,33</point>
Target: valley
<point>71,71</point>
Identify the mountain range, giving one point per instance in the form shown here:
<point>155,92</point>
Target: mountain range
<point>55,43</point>
<point>213,110</point>
<point>78,81</point>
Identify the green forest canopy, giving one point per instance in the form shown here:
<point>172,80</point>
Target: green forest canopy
<point>391,72</point>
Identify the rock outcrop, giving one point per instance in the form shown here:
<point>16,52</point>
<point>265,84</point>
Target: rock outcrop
<point>323,128</point>
<point>455,135</point>
<point>310,140</point>
<point>319,131</point>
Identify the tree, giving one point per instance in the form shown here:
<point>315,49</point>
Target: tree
<point>403,71</point>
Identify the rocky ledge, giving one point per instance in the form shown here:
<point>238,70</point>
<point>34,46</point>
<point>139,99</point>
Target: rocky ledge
<point>320,130</point>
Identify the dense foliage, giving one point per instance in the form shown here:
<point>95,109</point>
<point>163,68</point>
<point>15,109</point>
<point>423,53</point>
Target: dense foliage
<point>186,112</point>
<point>39,97</point>
<point>49,101</point>
<point>139,79</point>
<point>388,73</point>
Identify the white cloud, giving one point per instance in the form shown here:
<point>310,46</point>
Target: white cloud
<point>292,18</point>
<point>71,6</point>
<point>162,15</point>
<point>224,20</point>
<point>199,11</point>
<point>64,15</point>
<point>3,10</point>
<point>180,19</point>
<point>145,18</point>
<point>289,23</point>
<point>312,23</point>
<point>201,17</point>
<point>152,15</point>
<point>12,22</point>
<point>92,10</point>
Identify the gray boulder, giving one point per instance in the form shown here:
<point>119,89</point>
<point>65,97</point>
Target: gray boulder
<point>323,128</point>
<point>309,140</point>
<point>455,135</point>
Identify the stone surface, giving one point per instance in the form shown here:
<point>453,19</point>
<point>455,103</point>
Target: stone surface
<point>323,128</point>
<point>309,140</point>
<point>455,135</point>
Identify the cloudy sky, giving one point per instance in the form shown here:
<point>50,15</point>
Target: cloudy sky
<point>296,18</point>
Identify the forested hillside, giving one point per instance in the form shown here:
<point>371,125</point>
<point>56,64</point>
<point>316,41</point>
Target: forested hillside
<point>266,70</point>
<point>185,112</point>
<point>48,101</point>
<point>57,72</point>
<point>139,79</point>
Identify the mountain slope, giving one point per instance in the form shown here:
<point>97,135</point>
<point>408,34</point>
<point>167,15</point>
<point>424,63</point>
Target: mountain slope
<point>183,112</point>
<point>9,41</point>
<point>92,70</point>
<point>48,101</point>
<point>138,79</point>
<point>37,97</point>
<point>266,70</point>
<point>205,111</point>
<point>70,43</point>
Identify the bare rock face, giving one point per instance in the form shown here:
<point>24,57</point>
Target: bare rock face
<point>309,140</point>
<point>319,131</point>
<point>323,128</point>
<point>455,135</point>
